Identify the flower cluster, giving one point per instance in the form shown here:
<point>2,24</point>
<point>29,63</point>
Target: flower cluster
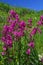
<point>40,22</point>
<point>31,45</point>
<point>13,30</point>
<point>30,22</point>
<point>33,32</point>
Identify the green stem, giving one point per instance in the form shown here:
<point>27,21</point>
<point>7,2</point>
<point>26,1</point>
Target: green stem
<point>19,51</point>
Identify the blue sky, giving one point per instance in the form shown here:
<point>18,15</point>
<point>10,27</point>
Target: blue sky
<point>32,4</point>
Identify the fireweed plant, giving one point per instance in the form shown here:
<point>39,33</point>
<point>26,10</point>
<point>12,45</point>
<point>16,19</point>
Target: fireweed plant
<point>19,42</point>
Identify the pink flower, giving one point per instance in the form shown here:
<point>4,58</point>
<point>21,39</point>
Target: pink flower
<point>41,18</point>
<point>12,12</point>
<point>39,30</point>
<point>18,33</point>
<point>9,43</point>
<point>3,53</point>
<point>8,37</point>
<point>10,29</point>
<point>4,48</point>
<point>15,33</point>
<point>3,39</point>
<point>7,40</point>
<point>10,21</point>
<point>39,23</point>
<point>30,22</point>
<point>28,51</point>
<point>22,25</point>
<point>33,32</point>
<point>5,29</point>
<point>17,17</point>
<point>31,44</point>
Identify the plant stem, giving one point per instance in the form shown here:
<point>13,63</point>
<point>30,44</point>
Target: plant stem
<point>19,51</point>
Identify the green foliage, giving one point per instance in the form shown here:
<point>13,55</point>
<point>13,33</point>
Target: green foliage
<point>4,7</point>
